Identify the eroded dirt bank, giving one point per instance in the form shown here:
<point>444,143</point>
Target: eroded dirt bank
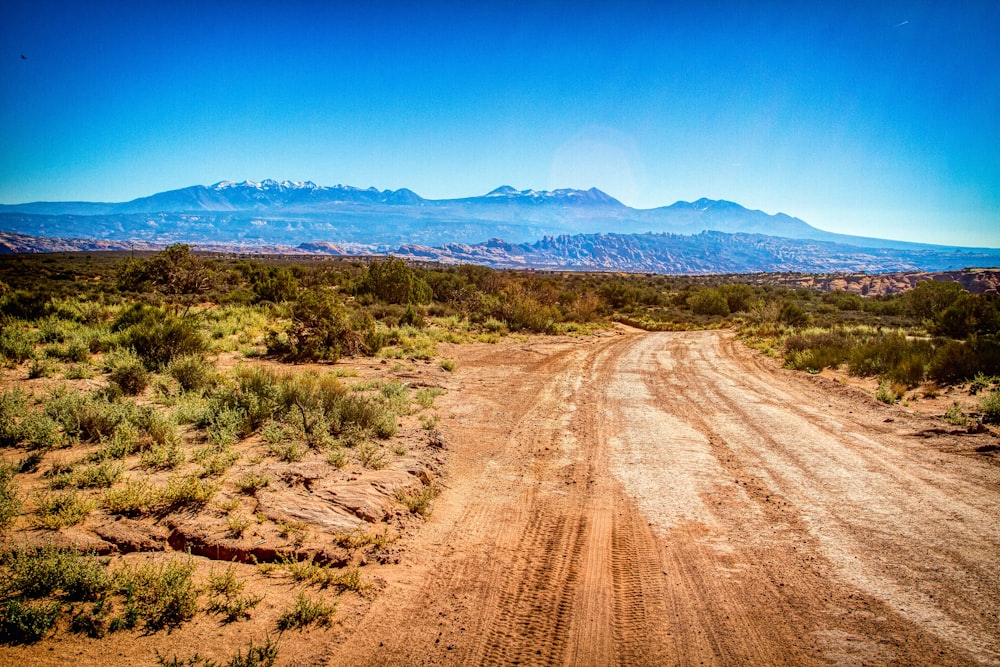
<point>669,499</point>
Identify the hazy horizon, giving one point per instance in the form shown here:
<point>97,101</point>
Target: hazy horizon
<point>876,121</point>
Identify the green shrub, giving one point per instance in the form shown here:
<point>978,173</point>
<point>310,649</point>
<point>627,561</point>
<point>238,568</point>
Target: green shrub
<point>989,405</point>
<point>957,361</point>
<point>59,510</point>
<point>306,612</point>
<point>10,500</point>
<point>888,392</point>
<point>158,340</point>
<point>13,405</point>
<point>322,329</point>
<point>263,655</point>
<point>391,280</point>
<point>39,368</point>
<point>38,572</point>
<point>192,373</point>
<point>708,302</point>
<point>162,457</point>
<point>16,344</point>
<point>134,498</point>
<point>186,491</point>
<point>100,475</point>
<point>21,426</point>
<point>418,502</point>
<point>76,351</point>
<point>128,372</point>
<point>792,314</point>
<point>425,396</point>
<point>955,416</point>
<point>162,594</point>
<point>90,417</point>
<point>26,622</point>
<point>227,598</point>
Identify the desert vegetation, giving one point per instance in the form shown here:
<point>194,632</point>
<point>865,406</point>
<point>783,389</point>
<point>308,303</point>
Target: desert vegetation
<point>170,402</point>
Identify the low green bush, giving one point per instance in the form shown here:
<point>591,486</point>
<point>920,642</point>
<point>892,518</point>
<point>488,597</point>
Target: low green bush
<point>10,499</point>
<point>989,405</point>
<point>305,612</point>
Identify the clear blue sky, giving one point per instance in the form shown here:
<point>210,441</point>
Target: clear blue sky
<point>873,118</point>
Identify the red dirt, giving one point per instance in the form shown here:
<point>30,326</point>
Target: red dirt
<point>675,499</point>
<point>662,498</point>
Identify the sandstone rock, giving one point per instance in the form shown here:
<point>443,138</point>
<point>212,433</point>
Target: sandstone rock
<point>129,535</point>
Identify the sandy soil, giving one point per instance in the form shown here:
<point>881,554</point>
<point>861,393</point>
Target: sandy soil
<point>675,499</point>
<point>657,499</point>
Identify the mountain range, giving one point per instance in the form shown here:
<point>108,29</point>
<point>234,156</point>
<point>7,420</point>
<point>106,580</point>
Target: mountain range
<point>566,228</point>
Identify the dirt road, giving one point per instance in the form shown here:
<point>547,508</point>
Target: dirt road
<point>660,499</point>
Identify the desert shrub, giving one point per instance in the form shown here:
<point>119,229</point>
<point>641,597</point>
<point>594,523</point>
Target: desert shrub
<point>792,314</point>
<point>892,356</point>
<point>952,362</point>
<point>289,451</point>
<point>238,523</point>
<point>306,612</point>
<point>24,305</point>
<point>708,301</point>
<point>419,501</point>
<point>38,572</point>
<point>955,416</point>
<point>191,372</point>
<point>322,329</point>
<point>59,510</point>
<point>159,340</point>
<point>889,392</point>
<point>128,372</point>
<point>371,456</point>
<point>844,301</point>
<point>989,405</point>
<point>187,491</point>
<point>391,280</point>
<point>253,399</point>
<point>226,596</point>
<point>99,475</point>
<point>425,396</point>
<point>40,368</point>
<point>134,498</point>
<point>273,284</point>
<point>136,314</point>
<point>216,459</point>
<point>16,344</point>
<point>90,417</point>
<point>819,350</point>
<point>165,456</point>
<point>957,361</point>
<point>13,405</point>
<point>162,594</point>
<point>931,297</point>
<point>76,351</point>
<point>412,317</point>
<point>262,655</point>
<point>175,272</point>
<point>26,622</point>
<point>10,500</point>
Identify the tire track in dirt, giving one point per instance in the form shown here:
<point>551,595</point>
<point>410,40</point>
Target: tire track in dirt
<point>651,499</point>
<point>844,532</point>
<point>544,561</point>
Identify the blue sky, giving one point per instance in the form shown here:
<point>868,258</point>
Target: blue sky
<point>872,118</point>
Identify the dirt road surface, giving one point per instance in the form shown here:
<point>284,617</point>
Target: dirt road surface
<point>670,498</point>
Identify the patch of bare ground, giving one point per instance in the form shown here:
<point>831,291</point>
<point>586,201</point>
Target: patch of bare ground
<point>626,498</point>
<point>674,498</point>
